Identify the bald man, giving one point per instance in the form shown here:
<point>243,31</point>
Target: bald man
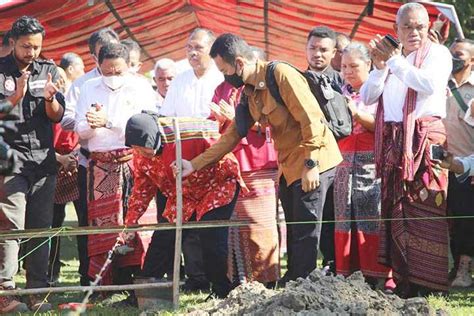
<point>410,79</point>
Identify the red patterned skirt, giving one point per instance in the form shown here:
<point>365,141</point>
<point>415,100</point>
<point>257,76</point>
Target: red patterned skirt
<point>416,249</point>
<point>253,249</point>
<point>109,184</point>
<point>357,208</point>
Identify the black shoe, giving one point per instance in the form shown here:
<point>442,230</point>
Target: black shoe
<point>329,268</point>
<point>211,296</point>
<point>283,281</point>
<point>130,301</point>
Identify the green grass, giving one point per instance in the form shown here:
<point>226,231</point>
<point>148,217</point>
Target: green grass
<point>458,302</point>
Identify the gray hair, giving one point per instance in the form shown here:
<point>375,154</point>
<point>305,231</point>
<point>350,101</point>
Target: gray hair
<point>407,7</point>
<point>69,59</point>
<point>359,48</point>
<point>164,63</point>
<point>210,35</point>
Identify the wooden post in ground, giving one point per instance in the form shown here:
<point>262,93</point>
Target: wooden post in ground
<point>179,214</point>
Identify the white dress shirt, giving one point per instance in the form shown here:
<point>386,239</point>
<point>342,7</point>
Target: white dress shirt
<point>429,81</point>
<point>189,95</point>
<point>68,121</point>
<point>159,101</point>
<point>119,105</point>
<point>468,166</point>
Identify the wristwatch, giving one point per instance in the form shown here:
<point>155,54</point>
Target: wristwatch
<point>108,125</point>
<point>310,163</point>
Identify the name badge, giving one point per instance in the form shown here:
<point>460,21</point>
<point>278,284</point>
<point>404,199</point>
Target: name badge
<point>268,134</point>
<point>9,85</point>
<point>38,84</point>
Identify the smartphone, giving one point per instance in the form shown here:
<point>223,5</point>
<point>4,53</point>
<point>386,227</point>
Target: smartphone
<point>394,42</point>
<point>437,152</point>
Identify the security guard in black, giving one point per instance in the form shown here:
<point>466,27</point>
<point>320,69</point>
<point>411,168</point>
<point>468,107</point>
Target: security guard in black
<point>33,142</point>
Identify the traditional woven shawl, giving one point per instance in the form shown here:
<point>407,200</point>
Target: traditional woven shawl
<point>408,124</point>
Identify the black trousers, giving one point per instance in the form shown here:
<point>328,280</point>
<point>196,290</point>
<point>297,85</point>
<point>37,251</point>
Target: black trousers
<point>59,214</point>
<point>213,241</point>
<point>81,211</point>
<point>303,239</point>
<point>191,248</point>
<point>461,203</point>
<point>327,231</point>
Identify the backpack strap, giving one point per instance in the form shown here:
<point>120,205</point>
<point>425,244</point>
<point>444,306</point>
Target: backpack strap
<point>271,82</point>
<point>460,101</point>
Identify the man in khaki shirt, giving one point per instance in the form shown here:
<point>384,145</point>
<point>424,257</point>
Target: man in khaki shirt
<point>307,150</point>
<point>460,136</point>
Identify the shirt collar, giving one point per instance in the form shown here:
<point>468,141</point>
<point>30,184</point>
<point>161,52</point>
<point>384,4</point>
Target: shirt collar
<point>469,80</point>
<point>11,64</point>
<point>36,67</point>
<point>257,78</point>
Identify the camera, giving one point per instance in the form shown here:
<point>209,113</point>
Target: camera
<point>392,40</point>
<point>7,155</point>
<point>437,152</point>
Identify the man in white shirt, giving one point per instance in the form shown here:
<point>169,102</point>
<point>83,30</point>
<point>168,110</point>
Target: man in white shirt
<point>410,82</point>
<point>189,95</point>
<point>105,104</point>
<point>96,41</point>
<point>164,73</point>
<point>191,92</point>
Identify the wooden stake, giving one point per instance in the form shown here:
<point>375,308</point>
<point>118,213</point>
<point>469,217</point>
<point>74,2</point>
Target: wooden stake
<point>179,214</point>
<point>99,288</point>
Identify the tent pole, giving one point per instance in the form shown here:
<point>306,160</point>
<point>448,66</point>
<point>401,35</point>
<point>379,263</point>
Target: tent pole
<point>369,7</point>
<point>112,9</point>
<point>265,25</point>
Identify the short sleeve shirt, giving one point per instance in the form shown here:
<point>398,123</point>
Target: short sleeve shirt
<point>33,140</point>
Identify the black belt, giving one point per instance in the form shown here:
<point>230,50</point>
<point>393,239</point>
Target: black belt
<point>85,152</point>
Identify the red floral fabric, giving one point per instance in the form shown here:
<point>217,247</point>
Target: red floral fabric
<point>203,190</point>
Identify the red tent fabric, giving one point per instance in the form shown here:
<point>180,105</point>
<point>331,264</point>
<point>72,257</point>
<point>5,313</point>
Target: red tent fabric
<point>161,27</point>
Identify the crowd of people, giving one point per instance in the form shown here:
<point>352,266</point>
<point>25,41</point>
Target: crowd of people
<point>376,200</point>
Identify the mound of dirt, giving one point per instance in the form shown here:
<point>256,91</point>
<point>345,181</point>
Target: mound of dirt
<point>316,295</point>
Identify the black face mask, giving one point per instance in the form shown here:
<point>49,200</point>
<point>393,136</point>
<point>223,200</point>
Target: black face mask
<point>235,80</point>
<point>458,65</point>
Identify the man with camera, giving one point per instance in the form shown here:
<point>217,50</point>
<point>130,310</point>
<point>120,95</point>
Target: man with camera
<point>26,196</point>
<point>410,84</point>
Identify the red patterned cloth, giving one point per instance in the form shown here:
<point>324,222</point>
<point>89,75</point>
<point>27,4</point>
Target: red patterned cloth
<point>253,249</point>
<point>417,250</point>
<point>203,190</point>
<point>64,141</point>
<point>357,201</point>
<point>67,189</point>
<point>109,184</point>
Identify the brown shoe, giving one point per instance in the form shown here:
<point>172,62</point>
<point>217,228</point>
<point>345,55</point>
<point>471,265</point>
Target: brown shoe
<point>11,304</point>
<point>37,303</point>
